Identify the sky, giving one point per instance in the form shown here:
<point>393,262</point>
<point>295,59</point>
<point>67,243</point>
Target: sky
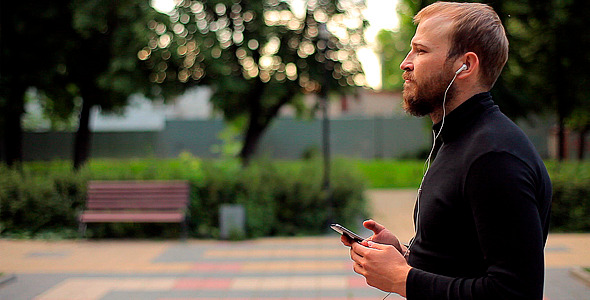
<point>381,14</point>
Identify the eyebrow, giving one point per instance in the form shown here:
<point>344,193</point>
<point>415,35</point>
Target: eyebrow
<point>417,44</point>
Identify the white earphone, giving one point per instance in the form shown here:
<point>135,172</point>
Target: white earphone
<point>463,68</point>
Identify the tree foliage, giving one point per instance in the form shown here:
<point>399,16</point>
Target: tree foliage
<point>104,64</point>
<point>77,54</point>
<point>548,63</point>
<point>28,57</point>
<point>393,45</point>
<point>259,55</point>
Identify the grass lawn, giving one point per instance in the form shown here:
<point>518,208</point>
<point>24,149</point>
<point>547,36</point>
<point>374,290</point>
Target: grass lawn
<point>389,174</point>
<point>378,174</point>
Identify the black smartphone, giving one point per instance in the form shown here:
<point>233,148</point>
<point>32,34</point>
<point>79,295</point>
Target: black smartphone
<point>347,232</point>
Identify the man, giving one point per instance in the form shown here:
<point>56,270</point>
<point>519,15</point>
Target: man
<point>482,212</point>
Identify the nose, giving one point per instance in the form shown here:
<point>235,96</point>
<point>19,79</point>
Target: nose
<point>407,64</point>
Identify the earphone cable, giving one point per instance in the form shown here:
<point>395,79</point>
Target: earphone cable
<point>427,164</point>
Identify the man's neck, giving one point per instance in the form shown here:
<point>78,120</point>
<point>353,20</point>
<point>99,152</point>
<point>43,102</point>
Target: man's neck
<point>437,115</point>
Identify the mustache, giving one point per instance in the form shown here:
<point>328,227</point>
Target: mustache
<point>408,76</point>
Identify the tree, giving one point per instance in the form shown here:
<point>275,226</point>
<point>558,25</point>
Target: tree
<point>549,64</point>
<point>259,56</point>
<point>94,47</point>
<point>104,65</point>
<point>580,122</point>
<point>394,45</point>
<point>28,57</point>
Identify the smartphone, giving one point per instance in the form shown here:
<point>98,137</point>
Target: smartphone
<point>347,232</point>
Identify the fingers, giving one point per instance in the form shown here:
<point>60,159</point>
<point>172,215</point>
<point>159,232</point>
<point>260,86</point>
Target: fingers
<point>358,261</point>
<point>359,249</point>
<point>355,257</point>
<point>373,226</point>
<point>346,241</point>
<point>357,268</point>
<point>377,246</point>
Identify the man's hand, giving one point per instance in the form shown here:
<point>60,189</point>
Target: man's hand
<point>380,235</point>
<point>383,266</point>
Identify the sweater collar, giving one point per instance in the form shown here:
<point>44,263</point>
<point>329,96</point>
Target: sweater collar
<point>463,116</point>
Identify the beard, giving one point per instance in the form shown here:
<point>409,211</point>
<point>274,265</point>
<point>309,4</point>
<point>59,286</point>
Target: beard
<point>423,97</point>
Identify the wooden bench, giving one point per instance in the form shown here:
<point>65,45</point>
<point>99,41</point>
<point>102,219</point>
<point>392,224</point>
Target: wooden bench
<point>136,202</point>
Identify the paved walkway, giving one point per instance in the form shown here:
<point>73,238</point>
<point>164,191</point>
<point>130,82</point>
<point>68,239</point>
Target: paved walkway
<point>273,268</point>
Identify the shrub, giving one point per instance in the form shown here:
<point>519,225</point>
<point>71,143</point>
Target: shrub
<point>570,211</point>
<point>33,203</point>
<point>280,198</point>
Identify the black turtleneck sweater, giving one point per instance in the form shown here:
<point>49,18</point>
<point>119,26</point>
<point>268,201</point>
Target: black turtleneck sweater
<point>483,211</point>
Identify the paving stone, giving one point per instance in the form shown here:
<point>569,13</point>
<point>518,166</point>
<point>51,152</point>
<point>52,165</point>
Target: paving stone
<point>270,268</point>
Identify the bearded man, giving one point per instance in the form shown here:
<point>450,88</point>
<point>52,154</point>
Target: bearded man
<point>482,210</point>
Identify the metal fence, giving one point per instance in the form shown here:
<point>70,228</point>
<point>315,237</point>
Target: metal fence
<point>379,137</point>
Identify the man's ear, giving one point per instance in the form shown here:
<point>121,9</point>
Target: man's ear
<point>471,60</point>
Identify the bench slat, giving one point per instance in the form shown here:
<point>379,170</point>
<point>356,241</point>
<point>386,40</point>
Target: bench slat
<point>131,217</point>
<point>136,182</point>
<point>139,190</point>
<point>139,197</point>
<point>136,194</point>
<point>134,205</point>
<point>98,185</point>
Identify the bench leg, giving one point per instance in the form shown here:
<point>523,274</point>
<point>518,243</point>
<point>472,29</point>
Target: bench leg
<point>82,229</point>
<point>184,225</point>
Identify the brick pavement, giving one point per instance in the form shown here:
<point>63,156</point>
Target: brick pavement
<point>278,268</point>
<point>273,268</point>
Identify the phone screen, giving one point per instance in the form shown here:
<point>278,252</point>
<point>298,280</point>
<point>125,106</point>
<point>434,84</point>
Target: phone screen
<point>347,232</point>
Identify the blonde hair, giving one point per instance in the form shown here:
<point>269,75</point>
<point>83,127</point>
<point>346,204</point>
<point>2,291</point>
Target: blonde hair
<point>475,28</point>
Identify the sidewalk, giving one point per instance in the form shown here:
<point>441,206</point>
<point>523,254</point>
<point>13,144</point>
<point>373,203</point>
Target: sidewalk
<point>271,268</point>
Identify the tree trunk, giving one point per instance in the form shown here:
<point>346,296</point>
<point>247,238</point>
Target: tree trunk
<point>259,120</point>
<point>13,132</point>
<point>561,140</point>
<point>82,140</point>
<point>582,143</point>
<point>251,140</point>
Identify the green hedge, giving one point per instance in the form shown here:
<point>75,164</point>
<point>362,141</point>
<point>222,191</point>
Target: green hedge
<point>280,198</point>
<point>33,204</point>
<point>570,211</point>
